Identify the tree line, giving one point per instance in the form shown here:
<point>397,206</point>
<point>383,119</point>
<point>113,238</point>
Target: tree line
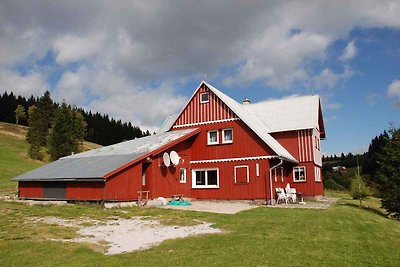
<point>100,129</point>
<point>379,169</point>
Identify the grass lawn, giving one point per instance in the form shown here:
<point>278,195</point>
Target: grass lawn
<point>343,235</point>
<point>13,160</point>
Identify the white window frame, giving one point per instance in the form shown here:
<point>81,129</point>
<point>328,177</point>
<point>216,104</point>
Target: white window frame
<point>182,181</point>
<point>223,136</point>
<point>317,171</point>
<point>209,139</point>
<point>201,98</point>
<point>206,186</point>
<point>298,168</point>
<point>248,174</point>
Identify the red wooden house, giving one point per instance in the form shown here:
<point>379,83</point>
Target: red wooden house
<point>220,150</point>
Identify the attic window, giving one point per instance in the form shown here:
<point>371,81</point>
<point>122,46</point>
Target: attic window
<point>204,98</point>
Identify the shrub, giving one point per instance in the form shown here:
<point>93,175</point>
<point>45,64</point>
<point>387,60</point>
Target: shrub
<point>358,188</point>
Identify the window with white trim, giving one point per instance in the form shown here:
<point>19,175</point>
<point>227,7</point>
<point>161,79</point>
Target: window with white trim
<point>182,175</point>
<point>242,174</point>
<point>299,174</point>
<point>204,98</point>
<point>227,136</point>
<point>212,137</point>
<point>317,174</point>
<point>205,178</point>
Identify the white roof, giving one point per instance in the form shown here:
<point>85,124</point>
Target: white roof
<point>292,113</point>
<point>254,122</point>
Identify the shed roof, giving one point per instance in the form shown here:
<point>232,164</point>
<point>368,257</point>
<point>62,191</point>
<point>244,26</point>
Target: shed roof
<point>97,163</point>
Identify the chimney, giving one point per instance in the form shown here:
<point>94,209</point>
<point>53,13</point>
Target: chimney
<point>246,101</point>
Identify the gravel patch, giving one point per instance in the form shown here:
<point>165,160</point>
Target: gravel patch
<point>126,235</point>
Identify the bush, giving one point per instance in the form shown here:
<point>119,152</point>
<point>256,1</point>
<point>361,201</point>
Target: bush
<point>359,189</point>
<point>331,184</point>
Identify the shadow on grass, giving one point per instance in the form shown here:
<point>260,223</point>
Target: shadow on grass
<point>370,209</point>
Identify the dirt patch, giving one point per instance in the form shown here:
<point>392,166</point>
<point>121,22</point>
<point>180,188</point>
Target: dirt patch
<point>126,235</point>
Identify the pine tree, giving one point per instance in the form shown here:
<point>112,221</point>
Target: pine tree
<point>67,132</point>
<point>19,113</point>
<point>34,136</point>
<point>389,173</point>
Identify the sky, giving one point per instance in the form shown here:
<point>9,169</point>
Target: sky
<point>140,61</point>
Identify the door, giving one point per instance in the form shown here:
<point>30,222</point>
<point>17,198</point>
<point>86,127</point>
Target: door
<point>55,190</point>
<point>146,176</point>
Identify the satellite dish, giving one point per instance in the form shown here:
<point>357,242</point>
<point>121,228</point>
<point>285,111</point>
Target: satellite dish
<point>174,157</point>
<point>166,159</point>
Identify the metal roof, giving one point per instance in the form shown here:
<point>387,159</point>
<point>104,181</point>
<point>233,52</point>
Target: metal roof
<point>292,113</point>
<point>78,168</point>
<point>258,126</point>
<point>99,162</point>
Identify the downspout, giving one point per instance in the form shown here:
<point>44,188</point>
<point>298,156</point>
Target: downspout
<point>270,179</point>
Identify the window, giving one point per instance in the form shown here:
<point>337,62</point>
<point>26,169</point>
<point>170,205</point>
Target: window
<point>227,136</point>
<point>317,174</point>
<point>205,178</point>
<point>204,98</point>
<point>182,175</point>
<point>242,174</point>
<point>257,169</point>
<point>317,144</point>
<point>299,174</point>
<point>212,138</point>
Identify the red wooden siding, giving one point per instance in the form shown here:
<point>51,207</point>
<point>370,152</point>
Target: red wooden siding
<point>245,143</point>
<point>30,189</point>
<point>85,190</point>
<point>305,145</point>
<point>309,187</point>
<point>165,181</point>
<point>288,140</point>
<point>196,112</point>
<point>125,184</point>
<point>257,188</point>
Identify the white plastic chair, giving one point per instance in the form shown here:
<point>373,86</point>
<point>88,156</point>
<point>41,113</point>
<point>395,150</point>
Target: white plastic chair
<point>291,193</point>
<point>281,195</point>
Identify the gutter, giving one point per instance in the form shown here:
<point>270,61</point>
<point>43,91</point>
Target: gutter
<point>270,179</point>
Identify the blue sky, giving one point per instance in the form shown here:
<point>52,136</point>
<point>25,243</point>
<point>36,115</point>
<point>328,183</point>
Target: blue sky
<point>140,61</point>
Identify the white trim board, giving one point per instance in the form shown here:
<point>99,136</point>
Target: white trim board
<point>204,122</point>
<point>231,159</point>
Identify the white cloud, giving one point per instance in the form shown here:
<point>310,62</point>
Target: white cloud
<point>28,84</point>
<point>349,52</point>
<point>71,48</point>
<point>394,91</point>
<point>329,79</point>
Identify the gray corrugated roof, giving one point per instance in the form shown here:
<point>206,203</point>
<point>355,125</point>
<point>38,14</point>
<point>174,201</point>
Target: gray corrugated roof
<point>78,168</point>
<point>99,162</point>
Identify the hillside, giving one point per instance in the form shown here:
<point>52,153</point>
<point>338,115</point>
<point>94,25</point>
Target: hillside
<point>13,154</point>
